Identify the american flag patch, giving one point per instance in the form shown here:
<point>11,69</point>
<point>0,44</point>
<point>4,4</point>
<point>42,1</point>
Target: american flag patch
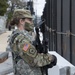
<point>26,46</point>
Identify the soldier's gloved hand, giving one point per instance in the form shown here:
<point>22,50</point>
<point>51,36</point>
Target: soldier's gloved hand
<point>49,66</point>
<point>53,63</point>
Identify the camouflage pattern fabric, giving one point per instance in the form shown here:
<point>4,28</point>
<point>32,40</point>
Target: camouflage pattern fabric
<point>22,13</point>
<point>31,60</point>
<point>24,69</point>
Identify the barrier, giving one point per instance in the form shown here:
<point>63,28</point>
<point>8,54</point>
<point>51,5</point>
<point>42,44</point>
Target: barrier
<point>6,68</point>
<point>63,67</point>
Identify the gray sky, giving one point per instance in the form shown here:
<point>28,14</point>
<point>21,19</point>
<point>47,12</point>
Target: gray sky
<point>39,6</point>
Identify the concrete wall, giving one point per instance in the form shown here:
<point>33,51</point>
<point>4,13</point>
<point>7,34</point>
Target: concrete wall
<point>2,23</point>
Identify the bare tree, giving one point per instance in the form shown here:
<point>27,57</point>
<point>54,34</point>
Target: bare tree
<point>18,4</point>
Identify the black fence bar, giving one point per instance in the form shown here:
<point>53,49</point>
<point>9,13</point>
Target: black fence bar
<point>70,30</point>
<point>59,26</point>
<point>73,31</point>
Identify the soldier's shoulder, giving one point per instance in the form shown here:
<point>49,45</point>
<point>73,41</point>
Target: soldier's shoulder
<point>19,37</point>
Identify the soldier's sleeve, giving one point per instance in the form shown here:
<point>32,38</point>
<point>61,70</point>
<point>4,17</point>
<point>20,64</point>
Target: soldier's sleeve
<point>29,53</point>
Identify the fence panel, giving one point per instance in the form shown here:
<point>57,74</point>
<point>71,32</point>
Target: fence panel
<point>60,18</point>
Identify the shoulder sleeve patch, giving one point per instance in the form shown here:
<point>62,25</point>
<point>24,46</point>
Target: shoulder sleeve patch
<point>26,46</point>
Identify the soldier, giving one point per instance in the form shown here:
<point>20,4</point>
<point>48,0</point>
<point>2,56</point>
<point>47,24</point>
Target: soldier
<point>27,60</point>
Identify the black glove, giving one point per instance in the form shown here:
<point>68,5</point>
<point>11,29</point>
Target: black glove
<point>53,63</point>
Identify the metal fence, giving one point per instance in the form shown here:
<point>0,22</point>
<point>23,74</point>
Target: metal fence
<point>60,18</point>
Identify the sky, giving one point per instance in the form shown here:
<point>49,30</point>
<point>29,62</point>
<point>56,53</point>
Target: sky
<point>38,6</point>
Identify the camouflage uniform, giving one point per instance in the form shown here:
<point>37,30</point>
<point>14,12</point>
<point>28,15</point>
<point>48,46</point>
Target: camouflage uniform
<point>30,60</point>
